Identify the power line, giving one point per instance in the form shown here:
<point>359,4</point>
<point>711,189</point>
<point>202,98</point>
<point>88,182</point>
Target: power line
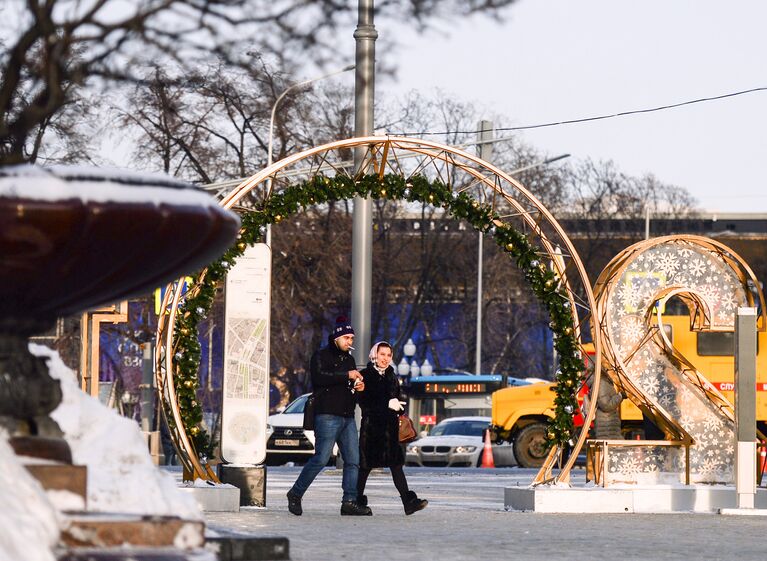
<point>225,186</point>
<point>597,118</point>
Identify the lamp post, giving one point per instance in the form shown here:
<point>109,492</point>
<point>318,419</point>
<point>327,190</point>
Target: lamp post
<point>646,221</point>
<point>408,367</point>
<point>277,101</point>
<point>365,36</point>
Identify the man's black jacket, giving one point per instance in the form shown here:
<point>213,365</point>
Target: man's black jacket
<point>333,392</point>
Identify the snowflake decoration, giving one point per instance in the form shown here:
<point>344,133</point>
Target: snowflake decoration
<point>629,466</point>
<point>668,263</point>
<point>696,268</point>
<point>729,300</point>
<point>708,467</point>
<point>688,425</point>
<point>651,386</point>
<point>632,329</point>
<point>628,296</point>
<point>724,317</point>
<point>711,423</point>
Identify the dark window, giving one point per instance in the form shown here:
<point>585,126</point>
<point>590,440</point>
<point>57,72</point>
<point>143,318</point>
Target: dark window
<point>464,428</point>
<point>712,343</point>
<point>716,344</point>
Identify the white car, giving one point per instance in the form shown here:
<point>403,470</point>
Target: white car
<point>286,439</point>
<point>457,441</point>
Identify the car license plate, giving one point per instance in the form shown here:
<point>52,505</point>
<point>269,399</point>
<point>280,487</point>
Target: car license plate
<point>286,442</point>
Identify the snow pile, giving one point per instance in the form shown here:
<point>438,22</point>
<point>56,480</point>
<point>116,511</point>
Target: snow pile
<point>121,475</point>
<point>30,526</point>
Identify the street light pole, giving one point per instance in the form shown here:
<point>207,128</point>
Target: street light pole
<point>270,144</point>
<point>485,150</point>
<point>646,221</point>
<point>362,228</point>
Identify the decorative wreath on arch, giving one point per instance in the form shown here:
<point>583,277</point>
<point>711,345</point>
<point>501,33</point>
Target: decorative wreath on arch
<point>320,189</point>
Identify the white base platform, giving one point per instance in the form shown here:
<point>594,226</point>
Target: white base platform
<point>657,499</point>
<point>219,498</point>
<point>743,511</point>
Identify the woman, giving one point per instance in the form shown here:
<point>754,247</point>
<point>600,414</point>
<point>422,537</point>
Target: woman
<point>379,431</point>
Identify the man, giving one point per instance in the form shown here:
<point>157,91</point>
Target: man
<point>335,379</point>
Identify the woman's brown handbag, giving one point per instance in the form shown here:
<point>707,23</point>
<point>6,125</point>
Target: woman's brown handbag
<point>406,430</point>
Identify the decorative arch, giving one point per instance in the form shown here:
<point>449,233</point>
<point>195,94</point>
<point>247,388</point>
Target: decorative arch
<point>415,170</point>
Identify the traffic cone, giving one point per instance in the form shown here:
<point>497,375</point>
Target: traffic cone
<point>487,453</point>
<point>763,457</point>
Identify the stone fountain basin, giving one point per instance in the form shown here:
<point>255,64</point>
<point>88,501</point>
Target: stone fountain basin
<point>73,238</point>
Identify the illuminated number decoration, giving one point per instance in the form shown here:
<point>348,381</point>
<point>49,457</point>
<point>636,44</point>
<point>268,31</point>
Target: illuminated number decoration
<point>640,358</point>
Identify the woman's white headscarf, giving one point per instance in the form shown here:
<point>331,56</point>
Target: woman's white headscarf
<point>374,353</point>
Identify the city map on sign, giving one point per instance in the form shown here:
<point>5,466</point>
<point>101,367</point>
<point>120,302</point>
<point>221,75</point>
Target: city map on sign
<point>245,368</point>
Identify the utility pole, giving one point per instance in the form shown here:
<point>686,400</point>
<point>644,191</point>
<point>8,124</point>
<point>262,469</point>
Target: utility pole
<point>362,229</point>
<point>485,150</point>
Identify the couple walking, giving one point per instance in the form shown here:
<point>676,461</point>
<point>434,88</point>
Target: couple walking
<point>338,387</point>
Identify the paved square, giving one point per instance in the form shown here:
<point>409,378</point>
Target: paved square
<point>465,520</point>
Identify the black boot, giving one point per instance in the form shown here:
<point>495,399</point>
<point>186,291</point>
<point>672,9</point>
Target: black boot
<point>294,503</point>
<point>350,508</point>
<point>362,500</point>
<point>412,503</point>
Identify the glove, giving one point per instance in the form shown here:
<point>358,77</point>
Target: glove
<point>396,405</point>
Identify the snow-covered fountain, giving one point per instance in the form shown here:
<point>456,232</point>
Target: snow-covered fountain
<point>73,238</point>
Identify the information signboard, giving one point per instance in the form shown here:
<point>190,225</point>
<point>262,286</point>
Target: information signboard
<point>246,358</point>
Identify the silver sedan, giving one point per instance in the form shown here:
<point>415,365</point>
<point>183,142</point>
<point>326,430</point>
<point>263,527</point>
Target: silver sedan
<point>457,442</point>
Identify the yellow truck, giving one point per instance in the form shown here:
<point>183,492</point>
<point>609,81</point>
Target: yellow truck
<point>520,414</point>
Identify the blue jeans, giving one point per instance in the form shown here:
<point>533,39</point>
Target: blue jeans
<point>329,429</point>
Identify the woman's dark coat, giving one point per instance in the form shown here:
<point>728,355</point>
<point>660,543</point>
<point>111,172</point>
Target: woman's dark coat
<point>379,431</point>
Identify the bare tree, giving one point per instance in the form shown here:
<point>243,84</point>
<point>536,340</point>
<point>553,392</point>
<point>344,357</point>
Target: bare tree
<point>312,271</point>
<point>599,195</point>
<point>420,274</point>
<point>49,49</point>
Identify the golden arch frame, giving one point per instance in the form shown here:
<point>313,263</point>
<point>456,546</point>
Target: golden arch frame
<point>404,156</point>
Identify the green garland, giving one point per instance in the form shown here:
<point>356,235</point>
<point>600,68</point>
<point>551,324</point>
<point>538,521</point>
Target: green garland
<point>320,189</point>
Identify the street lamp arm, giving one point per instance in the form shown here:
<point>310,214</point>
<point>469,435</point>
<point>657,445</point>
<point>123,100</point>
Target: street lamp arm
<point>270,145</point>
<point>555,159</point>
<point>291,88</point>
<point>539,164</point>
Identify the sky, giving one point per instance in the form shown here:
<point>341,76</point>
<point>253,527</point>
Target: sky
<point>554,60</point>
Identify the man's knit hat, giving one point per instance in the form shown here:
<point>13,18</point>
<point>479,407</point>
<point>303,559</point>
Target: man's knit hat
<point>343,327</point>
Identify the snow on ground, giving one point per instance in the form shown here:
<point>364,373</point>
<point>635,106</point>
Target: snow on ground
<point>30,524</point>
<point>121,474</point>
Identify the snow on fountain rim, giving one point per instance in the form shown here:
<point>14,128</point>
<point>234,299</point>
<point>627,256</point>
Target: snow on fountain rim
<point>98,185</point>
